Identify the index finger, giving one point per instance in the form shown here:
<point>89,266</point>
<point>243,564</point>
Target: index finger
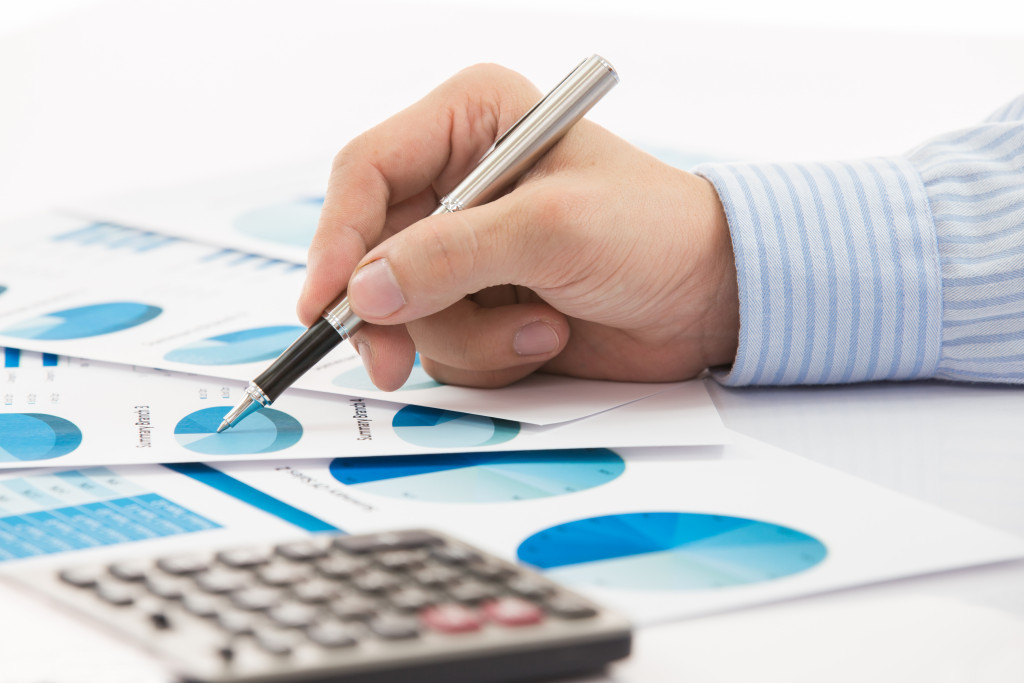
<point>421,152</point>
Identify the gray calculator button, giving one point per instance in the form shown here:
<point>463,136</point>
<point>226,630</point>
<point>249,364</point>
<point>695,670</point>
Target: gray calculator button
<point>375,581</point>
<point>411,599</point>
<point>315,591</point>
<point>255,599</point>
<point>115,593</point>
<point>332,635</point>
<point>163,587</point>
<point>82,577</point>
<point>528,587</point>
<point>183,564</point>
<point>243,558</point>
<point>129,571</point>
<point>221,581</point>
<point>436,575</point>
<point>275,642</point>
<point>471,591</point>
<point>569,608</point>
<point>200,605</point>
<point>354,607</point>
<point>402,559</point>
<point>394,627</point>
<point>235,622</point>
<point>302,550</point>
<point>453,554</point>
<point>340,566</point>
<point>388,540</point>
<point>283,573</point>
<point>491,571</point>
<point>293,615</point>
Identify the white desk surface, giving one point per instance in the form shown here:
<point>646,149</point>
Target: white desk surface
<point>102,97</point>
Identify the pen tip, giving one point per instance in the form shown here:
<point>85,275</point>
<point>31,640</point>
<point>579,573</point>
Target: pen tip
<point>223,425</point>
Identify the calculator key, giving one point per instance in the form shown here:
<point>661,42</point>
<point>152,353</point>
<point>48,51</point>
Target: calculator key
<point>302,550</point>
<point>388,540</point>
<point>354,607</point>
<point>472,591</point>
<point>283,573</point>
<point>115,593</point>
<point>410,599</point>
<point>394,627</point>
<point>200,605</point>
<point>341,566</point>
<point>436,575</point>
<point>183,564</point>
<point>453,554</point>
<point>221,581</point>
<point>293,615</point>
<point>399,560</point>
<point>569,608</point>
<point>236,623</point>
<point>529,588</point>
<point>375,581</point>
<point>129,571</point>
<point>332,635</point>
<point>275,642</point>
<point>315,591</point>
<point>491,571</point>
<point>82,577</point>
<point>164,587</point>
<point>451,618</point>
<point>244,558</point>
<point>513,611</point>
<point>256,598</point>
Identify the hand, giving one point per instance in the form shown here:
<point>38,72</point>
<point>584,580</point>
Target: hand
<point>602,262</point>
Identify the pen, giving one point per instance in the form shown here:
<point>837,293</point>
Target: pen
<point>510,156</point>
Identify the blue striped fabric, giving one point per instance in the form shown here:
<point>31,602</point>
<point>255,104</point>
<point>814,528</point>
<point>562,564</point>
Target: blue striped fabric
<point>891,268</point>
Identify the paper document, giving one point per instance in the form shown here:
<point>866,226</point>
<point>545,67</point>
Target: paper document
<point>123,295</point>
<point>61,411</point>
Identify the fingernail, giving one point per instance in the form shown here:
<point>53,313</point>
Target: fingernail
<point>376,290</point>
<point>535,339</point>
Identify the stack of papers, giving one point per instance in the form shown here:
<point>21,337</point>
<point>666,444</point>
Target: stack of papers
<point>125,343</point>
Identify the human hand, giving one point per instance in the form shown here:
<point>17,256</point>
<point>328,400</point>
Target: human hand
<point>602,262</point>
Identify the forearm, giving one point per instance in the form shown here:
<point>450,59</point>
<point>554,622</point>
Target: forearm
<point>892,268</point>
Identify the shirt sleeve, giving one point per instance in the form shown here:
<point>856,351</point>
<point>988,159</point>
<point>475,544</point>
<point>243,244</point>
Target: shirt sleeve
<point>894,268</point>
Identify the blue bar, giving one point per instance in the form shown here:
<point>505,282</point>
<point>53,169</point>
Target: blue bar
<point>12,357</point>
<point>252,496</point>
<point>50,360</point>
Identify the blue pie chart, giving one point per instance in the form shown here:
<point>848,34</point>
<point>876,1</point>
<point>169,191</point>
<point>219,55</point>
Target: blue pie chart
<point>2,289</point>
<point>670,551</point>
<point>484,477</point>
<point>264,431</point>
<point>85,321</point>
<point>436,428</point>
<point>243,346</point>
<point>357,379</point>
<point>291,222</point>
<point>36,436</point>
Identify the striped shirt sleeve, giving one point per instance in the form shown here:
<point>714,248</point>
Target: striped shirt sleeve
<point>894,268</point>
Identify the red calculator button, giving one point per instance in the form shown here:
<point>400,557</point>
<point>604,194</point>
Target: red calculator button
<point>512,611</point>
<point>451,618</point>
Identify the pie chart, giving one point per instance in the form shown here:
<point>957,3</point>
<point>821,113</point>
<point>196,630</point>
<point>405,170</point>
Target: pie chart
<point>36,436</point>
<point>357,379</point>
<point>436,428</point>
<point>84,321</point>
<point>670,551</point>
<point>2,289</point>
<point>243,346</point>
<point>264,431</point>
<point>485,477</point>
<point>291,222</point>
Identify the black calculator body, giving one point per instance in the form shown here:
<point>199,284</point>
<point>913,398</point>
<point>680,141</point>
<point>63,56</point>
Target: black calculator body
<point>410,605</point>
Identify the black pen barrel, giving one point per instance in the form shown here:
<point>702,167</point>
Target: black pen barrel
<point>305,352</point>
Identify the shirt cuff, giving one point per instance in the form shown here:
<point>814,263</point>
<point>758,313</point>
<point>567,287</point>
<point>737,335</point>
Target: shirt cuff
<point>838,271</point>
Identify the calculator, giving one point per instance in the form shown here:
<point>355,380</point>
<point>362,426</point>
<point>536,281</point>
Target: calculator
<point>409,605</point>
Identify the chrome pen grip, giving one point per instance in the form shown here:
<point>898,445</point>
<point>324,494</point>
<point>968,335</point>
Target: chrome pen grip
<point>534,133</point>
